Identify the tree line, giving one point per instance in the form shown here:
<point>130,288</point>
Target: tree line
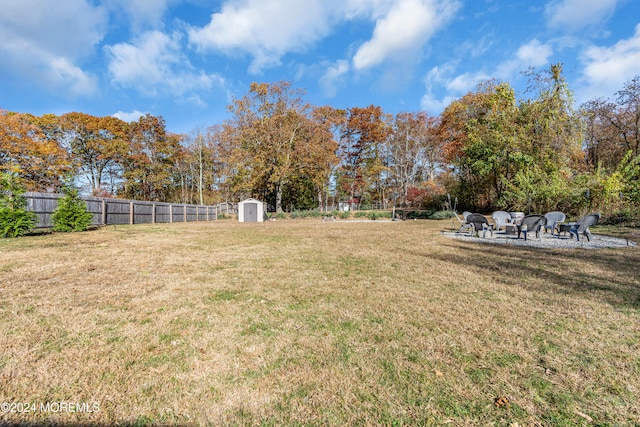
<point>487,150</point>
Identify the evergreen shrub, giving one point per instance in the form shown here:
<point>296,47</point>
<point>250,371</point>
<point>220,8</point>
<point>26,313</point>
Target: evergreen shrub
<point>71,213</point>
<point>15,219</point>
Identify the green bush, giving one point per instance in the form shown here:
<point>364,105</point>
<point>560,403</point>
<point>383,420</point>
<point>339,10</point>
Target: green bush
<point>441,215</point>
<point>15,219</point>
<point>419,214</point>
<point>374,215</point>
<point>345,215</point>
<point>71,213</point>
<point>282,215</point>
<point>306,214</point>
<point>14,223</point>
<point>621,217</point>
<point>629,170</point>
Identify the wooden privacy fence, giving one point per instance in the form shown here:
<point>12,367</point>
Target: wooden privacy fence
<point>107,211</point>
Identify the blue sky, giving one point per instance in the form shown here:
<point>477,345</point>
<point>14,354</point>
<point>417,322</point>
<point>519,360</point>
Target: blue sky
<point>186,60</point>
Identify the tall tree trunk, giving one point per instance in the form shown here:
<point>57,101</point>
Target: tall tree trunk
<point>279,197</point>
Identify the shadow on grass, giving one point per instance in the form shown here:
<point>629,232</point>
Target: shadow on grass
<point>89,424</point>
<point>610,274</point>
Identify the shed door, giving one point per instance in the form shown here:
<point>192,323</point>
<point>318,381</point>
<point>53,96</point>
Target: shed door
<point>250,212</point>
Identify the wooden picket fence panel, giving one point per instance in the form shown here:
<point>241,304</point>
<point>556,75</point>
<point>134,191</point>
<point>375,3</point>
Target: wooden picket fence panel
<point>108,211</point>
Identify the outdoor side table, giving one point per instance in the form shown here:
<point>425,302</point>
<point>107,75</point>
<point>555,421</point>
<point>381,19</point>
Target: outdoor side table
<point>511,228</point>
<point>565,228</point>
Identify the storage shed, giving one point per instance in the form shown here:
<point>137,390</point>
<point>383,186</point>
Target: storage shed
<point>251,210</point>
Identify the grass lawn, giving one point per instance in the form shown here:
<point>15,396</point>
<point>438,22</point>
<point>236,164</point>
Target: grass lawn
<point>316,323</point>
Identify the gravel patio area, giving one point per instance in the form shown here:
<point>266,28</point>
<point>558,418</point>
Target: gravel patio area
<point>598,241</point>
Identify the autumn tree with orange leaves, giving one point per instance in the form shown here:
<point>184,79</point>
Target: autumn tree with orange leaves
<point>97,146</point>
<point>150,161</point>
<point>27,151</point>
<point>415,154</point>
<point>363,169</point>
<point>487,148</point>
<point>279,148</point>
<point>613,127</point>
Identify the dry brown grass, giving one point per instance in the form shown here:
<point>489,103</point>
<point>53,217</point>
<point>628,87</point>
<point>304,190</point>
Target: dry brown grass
<point>305,322</point>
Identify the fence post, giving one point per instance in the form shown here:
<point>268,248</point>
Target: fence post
<point>170,213</point>
<point>184,209</point>
<point>153,213</point>
<point>130,213</point>
<point>104,212</point>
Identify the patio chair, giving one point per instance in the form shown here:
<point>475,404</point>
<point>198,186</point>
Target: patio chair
<point>554,219</point>
<point>464,225</point>
<point>531,224</point>
<point>582,226</point>
<point>516,217</point>
<point>480,223</point>
<point>501,218</point>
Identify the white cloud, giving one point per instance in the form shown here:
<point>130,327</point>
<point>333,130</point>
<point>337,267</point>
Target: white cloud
<point>132,116</point>
<point>70,28</point>
<point>608,68</point>
<point>333,77</point>
<point>266,29</point>
<point>475,47</point>
<point>442,86</point>
<point>465,82</point>
<point>573,15</point>
<point>443,80</point>
<point>368,9</point>
<point>434,106</point>
<point>142,13</point>
<point>43,41</point>
<point>145,62</point>
<point>405,28</point>
<point>532,54</point>
<point>77,81</point>
<point>269,29</point>
<point>153,64</point>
